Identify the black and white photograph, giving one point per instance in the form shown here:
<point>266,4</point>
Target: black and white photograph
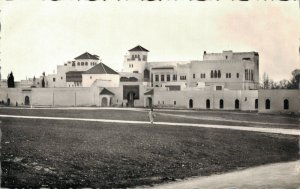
<point>169,94</point>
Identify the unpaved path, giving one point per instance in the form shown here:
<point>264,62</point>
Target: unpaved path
<point>278,175</point>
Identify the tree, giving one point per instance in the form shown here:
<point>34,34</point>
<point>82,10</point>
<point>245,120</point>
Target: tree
<point>34,79</point>
<point>295,80</point>
<point>273,84</point>
<point>283,84</point>
<point>265,84</point>
<point>43,80</point>
<point>10,80</point>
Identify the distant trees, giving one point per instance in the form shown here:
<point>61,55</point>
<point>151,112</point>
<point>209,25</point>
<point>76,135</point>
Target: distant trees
<point>293,83</point>
<point>265,84</point>
<point>10,80</point>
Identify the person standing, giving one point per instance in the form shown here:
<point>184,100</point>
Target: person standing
<point>151,115</point>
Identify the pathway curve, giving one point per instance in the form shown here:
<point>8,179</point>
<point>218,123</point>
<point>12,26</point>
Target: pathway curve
<point>278,175</point>
<point>242,128</point>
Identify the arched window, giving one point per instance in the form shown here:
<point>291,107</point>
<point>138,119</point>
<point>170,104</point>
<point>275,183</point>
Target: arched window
<point>268,104</point>
<point>78,63</point>
<point>86,63</point>
<point>212,74</point>
<point>286,104</point>
<point>73,64</point>
<point>215,74</point>
<point>208,104</point>
<point>219,74</point>
<point>237,104</point>
<point>256,103</point>
<point>27,101</point>
<point>221,104</point>
<point>82,63</point>
<point>191,103</point>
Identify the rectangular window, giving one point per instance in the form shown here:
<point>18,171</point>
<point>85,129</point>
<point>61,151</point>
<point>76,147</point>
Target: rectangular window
<point>53,79</point>
<point>194,76</point>
<point>203,75</point>
<point>182,77</point>
<point>144,57</point>
<point>162,78</point>
<point>174,77</point>
<point>218,88</point>
<point>156,77</point>
<point>174,102</point>
<point>168,77</point>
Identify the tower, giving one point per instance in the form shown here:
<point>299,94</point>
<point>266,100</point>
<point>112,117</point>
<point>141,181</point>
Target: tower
<point>135,61</point>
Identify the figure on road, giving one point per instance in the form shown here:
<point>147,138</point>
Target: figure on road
<point>151,115</point>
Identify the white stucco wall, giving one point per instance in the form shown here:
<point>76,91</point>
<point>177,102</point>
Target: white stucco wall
<point>276,98</point>
<point>163,98</point>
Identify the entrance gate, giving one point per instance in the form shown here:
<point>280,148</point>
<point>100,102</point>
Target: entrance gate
<point>27,100</point>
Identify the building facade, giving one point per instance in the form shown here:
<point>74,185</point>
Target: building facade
<point>222,81</point>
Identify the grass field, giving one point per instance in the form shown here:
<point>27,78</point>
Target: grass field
<point>52,153</point>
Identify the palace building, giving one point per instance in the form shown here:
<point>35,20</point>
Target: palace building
<point>223,81</point>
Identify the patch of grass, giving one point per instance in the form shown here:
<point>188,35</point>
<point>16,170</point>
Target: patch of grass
<point>62,154</point>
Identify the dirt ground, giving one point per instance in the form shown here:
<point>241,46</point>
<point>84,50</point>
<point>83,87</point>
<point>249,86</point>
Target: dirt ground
<point>52,153</point>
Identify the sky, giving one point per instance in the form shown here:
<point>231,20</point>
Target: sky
<point>36,36</point>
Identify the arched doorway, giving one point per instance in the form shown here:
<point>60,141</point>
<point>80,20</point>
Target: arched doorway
<point>27,100</point>
<point>207,104</point>
<point>149,102</point>
<point>221,104</point>
<point>286,104</point>
<point>256,103</point>
<point>104,102</point>
<point>237,104</point>
<point>130,99</point>
<point>191,103</point>
<point>267,104</point>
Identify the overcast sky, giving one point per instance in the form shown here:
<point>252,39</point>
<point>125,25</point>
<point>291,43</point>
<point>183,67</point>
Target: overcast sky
<point>37,36</point>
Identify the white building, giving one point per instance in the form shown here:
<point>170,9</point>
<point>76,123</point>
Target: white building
<point>225,81</point>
